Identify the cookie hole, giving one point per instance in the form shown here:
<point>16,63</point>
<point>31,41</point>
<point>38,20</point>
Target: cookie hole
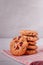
<point>21,43</point>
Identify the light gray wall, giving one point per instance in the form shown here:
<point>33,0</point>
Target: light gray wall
<point>16,15</point>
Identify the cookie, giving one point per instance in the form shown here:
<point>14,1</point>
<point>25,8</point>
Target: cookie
<point>32,38</point>
<point>18,47</point>
<point>33,47</point>
<point>28,32</point>
<point>32,43</point>
<point>30,52</point>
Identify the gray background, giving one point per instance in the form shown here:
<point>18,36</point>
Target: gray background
<point>16,15</point>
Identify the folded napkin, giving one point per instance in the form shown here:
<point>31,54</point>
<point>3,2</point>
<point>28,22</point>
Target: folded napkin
<point>25,59</point>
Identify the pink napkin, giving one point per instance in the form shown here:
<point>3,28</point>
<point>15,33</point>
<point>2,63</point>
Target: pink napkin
<point>26,59</point>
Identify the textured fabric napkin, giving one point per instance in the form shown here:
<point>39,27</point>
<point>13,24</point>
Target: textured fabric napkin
<point>26,59</point>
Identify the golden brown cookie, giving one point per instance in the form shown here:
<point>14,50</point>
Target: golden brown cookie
<point>18,47</point>
<point>29,52</point>
<point>32,43</point>
<point>28,32</point>
<point>33,47</point>
<point>32,38</point>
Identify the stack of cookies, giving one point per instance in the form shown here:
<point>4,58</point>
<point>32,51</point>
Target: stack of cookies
<point>25,43</point>
<point>31,37</point>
